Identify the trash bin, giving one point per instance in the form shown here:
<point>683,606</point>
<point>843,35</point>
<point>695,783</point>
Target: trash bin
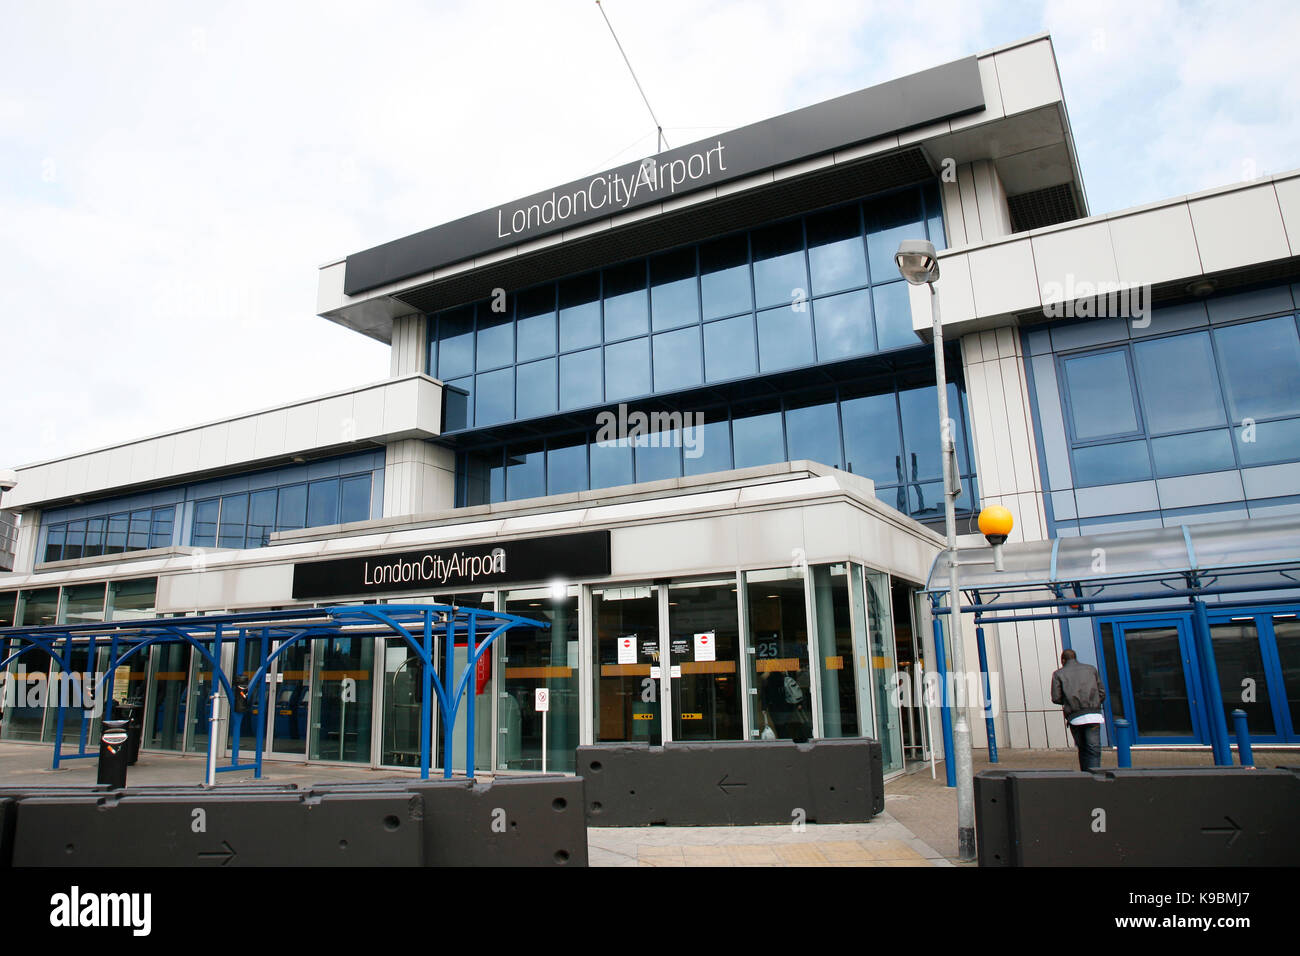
<point>132,711</point>
<point>113,754</point>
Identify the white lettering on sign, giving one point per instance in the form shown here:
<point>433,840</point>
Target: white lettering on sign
<point>705,646</point>
<point>627,649</point>
<point>434,567</point>
<point>542,699</point>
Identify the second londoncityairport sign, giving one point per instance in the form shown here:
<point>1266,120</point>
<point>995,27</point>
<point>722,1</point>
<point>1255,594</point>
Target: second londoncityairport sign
<point>487,565</point>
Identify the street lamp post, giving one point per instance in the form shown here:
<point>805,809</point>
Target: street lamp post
<point>919,265</point>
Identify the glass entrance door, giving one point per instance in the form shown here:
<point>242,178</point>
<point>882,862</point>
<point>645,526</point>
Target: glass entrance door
<point>625,652</point>
<point>289,693</point>
<point>704,661</point>
<point>1258,657</point>
<point>1157,681</point>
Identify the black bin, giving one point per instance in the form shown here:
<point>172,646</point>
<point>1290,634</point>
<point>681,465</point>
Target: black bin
<point>114,754</point>
<point>132,711</point>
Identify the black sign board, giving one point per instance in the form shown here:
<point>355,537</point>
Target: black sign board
<point>561,556</point>
<point>936,94</point>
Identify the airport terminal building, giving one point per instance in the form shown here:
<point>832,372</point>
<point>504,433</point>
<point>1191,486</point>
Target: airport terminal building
<point>684,412</point>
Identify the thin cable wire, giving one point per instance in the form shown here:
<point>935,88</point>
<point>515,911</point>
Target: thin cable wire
<point>663,141</point>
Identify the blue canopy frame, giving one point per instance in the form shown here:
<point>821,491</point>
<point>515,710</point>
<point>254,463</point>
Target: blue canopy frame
<point>417,624</point>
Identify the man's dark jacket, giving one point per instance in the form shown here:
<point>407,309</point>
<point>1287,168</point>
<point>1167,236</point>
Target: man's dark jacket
<point>1077,688</point>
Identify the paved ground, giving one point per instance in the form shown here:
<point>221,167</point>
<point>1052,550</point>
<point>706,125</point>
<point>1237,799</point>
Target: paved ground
<point>918,827</point>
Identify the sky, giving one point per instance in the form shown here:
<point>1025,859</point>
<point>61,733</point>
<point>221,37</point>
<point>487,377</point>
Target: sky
<point>173,174</point>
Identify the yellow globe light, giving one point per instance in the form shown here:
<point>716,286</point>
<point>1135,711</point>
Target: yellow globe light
<point>995,523</point>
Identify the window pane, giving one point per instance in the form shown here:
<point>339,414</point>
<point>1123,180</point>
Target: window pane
<point>729,348</point>
<point>625,301</point>
<point>934,212</point>
<point>566,465</point>
<point>536,388</point>
<point>677,360</point>
<point>496,337</point>
<point>843,326</point>
<point>291,513</point>
<point>481,470</point>
<point>779,274</point>
<point>115,543</point>
<point>579,312</point>
<point>525,471</point>
<point>1101,399</point>
<point>757,436</point>
<point>1266,442</point>
<point>494,397</point>
<point>580,379</point>
<point>707,447</point>
<point>627,369</point>
<point>76,539</point>
<point>459,403</point>
<point>1179,385</point>
<point>611,464</point>
<point>871,437</point>
<point>456,343</point>
<point>1261,368</point>
<point>814,433</point>
<point>926,500</point>
<point>355,504</point>
<point>920,416</point>
<point>322,503</point>
<point>889,221</point>
<point>138,538</point>
<point>1192,453</point>
<point>54,542</point>
<point>1111,464</point>
<point>205,524</point>
<point>161,535</point>
<point>261,517</point>
<point>535,323</point>
<point>894,317</point>
<point>724,277</point>
<point>659,455</point>
<point>835,252</point>
<point>95,536</point>
<point>784,338</point>
<point>674,294</point>
<point>234,514</point>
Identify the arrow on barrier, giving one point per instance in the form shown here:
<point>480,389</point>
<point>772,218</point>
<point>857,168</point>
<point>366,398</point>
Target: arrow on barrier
<point>225,856</point>
<point>1234,830</point>
<point>723,785</point>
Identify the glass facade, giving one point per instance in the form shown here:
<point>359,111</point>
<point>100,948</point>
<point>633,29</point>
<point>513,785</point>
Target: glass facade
<point>812,290</point>
<point>114,533</point>
<point>247,519</point>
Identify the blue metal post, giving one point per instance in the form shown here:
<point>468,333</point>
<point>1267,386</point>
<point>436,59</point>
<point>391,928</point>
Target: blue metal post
<point>449,688</point>
<point>265,705</point>
<point>945,716</point>
<point>58,699</point>
<point>1123,743</point>
<point>989,732</point>
<point>1243,738</point>
<point>426,686</point>
<point>85,719</point>
<point>471,645</point>
<point>1210,686</point>
<point>236,718</point>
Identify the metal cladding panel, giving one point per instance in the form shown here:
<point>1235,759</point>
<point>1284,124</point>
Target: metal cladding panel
<point>740,783</point>
<point>266,829</point>
<point>942,92</point>
<point>1203,816</point>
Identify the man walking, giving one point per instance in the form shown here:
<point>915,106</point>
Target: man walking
<point>1077,688</point>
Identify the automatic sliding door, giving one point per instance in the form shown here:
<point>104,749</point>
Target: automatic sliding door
<point>704,659</point>
<point>625,652</point>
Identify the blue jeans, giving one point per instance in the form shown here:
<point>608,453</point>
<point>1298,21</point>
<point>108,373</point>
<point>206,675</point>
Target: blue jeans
<point>1087,737</point>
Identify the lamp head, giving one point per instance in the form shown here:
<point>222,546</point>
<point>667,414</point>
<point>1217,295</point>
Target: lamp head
<point>995,523</point>
<point>917,262</point>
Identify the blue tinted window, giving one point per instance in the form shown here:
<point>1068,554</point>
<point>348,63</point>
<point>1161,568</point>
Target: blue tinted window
<point>836,255</point>
<point>729,349</point>
<point>1111,464</point>
<point>926,501</point>
<point>779,272</point>
<point>1179,384</point>
<point>525,471</point>
<point>566,466</point>
<point>494,397</point>
<point>871,437</point>
<point>291,512</point>
<point>458,401</point>
<point>115,542</point>
<point>674,293</point>
<point>95,535</point>
<point>611,464</point>
<point>625,301</point>
<point>894,317</point>
<point>813,432</point>
<point>1266,442</point>
<point>1261,368</point>
<point>355,499</point>
<point>677,360</point>
<point>496,338</point>
<point>627,369</point>
<point>724,277</point>
<point>1192,453</point>
<point>138,538</point>
<point>579,312</point>
<point>658,456</point>
<point>890,220</point>
<point>536,389</point>
<point>757,437</point>
<point>843,326</point>
<point>261,517</point>
<point>919,409</point>
<point>322,502</point>
<point>706,445</point>
<point>54,542</point>
<point>161,534</point>
<point>934,215</point>
<point>76,538</point>
<point>580,379</point>
<point>456,343</point>
<point>535,323</point>
<point>1101,397</point>
<point>785,338</point>
<point>234,515</point>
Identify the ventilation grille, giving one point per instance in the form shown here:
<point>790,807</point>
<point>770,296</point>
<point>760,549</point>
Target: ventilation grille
<point>751,207</point>
<point>1043,207</point>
